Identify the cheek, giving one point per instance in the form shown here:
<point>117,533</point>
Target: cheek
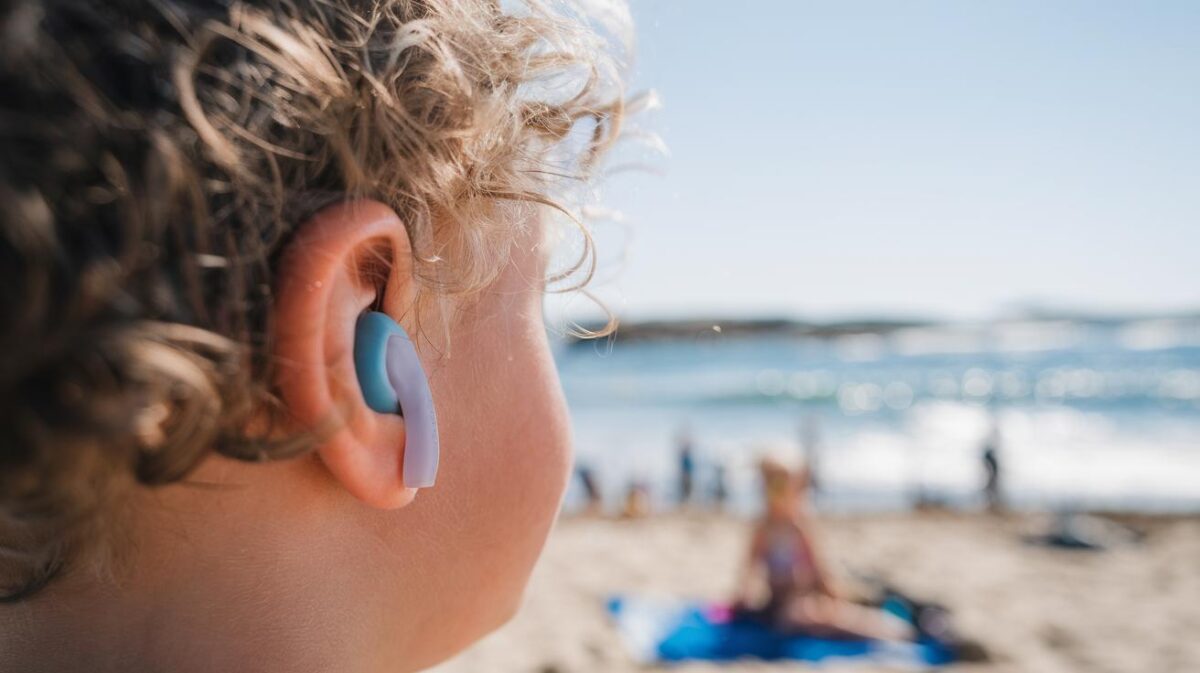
<point>526,451</point>
<point>505,464</point>
<point>534,454</point>
<point>514,429</point>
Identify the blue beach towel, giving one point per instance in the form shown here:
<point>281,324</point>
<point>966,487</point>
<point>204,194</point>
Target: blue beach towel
<point>669,631</point>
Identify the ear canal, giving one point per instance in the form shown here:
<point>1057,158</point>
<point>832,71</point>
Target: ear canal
<point>393,381</point>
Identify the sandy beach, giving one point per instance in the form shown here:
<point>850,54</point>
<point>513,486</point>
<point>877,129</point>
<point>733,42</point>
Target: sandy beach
<point>1035,609</point>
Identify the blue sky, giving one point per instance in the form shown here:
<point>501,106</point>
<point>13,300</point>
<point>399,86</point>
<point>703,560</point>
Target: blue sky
<point>938,158</point>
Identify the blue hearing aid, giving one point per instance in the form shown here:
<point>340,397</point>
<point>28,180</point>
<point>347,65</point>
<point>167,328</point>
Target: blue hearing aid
<point>393,382</point>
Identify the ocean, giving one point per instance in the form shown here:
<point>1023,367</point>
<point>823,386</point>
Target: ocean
<point>1089,415</point>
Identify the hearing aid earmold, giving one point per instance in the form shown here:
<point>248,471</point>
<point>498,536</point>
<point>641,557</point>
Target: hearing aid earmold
<point>393,382</point>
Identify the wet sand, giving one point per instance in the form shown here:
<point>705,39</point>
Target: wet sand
<point>1131,608</point>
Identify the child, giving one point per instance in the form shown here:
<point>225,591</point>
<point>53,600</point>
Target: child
<point>802,596</point>
<point>200,199</point>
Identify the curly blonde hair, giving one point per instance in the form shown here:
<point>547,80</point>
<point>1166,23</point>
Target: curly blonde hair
<point>154,158</point>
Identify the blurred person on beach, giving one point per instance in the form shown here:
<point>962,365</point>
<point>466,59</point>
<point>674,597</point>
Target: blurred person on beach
<point>200,201</point>
<point>810,449</point>
<point>637,500</point>
<point>686,455</point>
<point>802,595</point>
<point>720,486</point>
<point>591,489</point>
<point>990,456</point>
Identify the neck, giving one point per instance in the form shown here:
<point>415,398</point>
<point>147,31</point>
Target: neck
<point>231,594</point>
<point>101,627</point>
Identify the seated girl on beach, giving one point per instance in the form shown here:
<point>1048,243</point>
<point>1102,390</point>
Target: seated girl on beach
<point>801,594</point>
<point>204,203</point>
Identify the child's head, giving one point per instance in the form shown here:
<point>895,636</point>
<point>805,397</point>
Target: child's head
<point>199,199</point>
<point>784,489</point>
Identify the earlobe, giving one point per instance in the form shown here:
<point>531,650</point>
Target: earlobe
<point>336,268</point>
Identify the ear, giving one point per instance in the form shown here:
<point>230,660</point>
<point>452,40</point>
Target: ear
<point>349,258</point>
